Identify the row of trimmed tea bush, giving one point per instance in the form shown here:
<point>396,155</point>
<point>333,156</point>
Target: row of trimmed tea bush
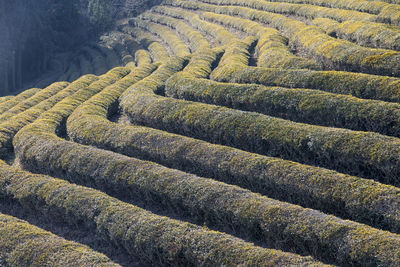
<point>271,48</point>
<point>143,76</point>
<point>386,12</point>
<point>295,104</point>
<point>351,197</point>
<point>360,153</point>
<point>5,98</point>
<point>66,106</point>
<point>158,51</point>
<point>390,14</point>
<point>218,32</point>
<point>202,62</point>
<point>156,239</point>
<point>142,57</point>
<point>357,84</point>
<point>23,244</point>
<point>331,52</point>
<point>373,7</point>
<point>295,228</point>
<point>303,10</point>
<point>218,246</point>
<point>196,39</point>
<point>363,33</point>
<point>148,181</point>
<point>209,200</point>
<point>10,127</point>
<point>174,42</point>
<point>89,125</point>
<point>9,103</point>
<point>33,100</point>
<point>124,54</point>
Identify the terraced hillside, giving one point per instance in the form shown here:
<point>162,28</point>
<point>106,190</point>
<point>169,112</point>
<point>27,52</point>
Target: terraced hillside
<point>242,132</point>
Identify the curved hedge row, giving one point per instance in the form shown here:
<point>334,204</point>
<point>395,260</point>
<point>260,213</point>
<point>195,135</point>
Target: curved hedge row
<point>331,52</point>
<point>157,51</point>
<point>294,104</point>
<point>213,201</point>
<point>223,36</point>
<point>360,85</point>
<point>386,12</point>
<point>303,10</point>
<point>156,239</point>
<point>216,203</point>
<point>202,62</point>
<point>137,236</point>
<point>5,98</point>
<point>22,244</point>
<point>88,125</point>
<point>356,84</point>
<point>359,199</point>
<point>40,96</point>
<point>142,57</point>
<point>363,33</point>
<point>361,153</point>
<point>196,39</point>
<point>6,105</point>
<point>271,48</point>
<point>174,42</point>
<point>373,7</point>
<point>390,14</point>
<point>10,127</point>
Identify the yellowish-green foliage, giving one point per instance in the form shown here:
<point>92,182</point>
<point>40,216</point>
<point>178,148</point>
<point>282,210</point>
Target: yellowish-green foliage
<point>89,122</point>
<point>5,98</point>
<point>219,108</point>
<point>142,57</point>
<point>364,33</point>
<point>34,100</point>
<point>22,244</point>
<point>223,36</point>
<point>11,126</point>
<point>157,239</point>
<point>9,103</point>
<point>353,152</point>
<point>178,47</point>
<point>367,6</point>
<point>76,203</point>
<point>271,48</point>
<point>304,10</point>
<point>292,103</point>
<point>88,125</point>
<point>194,37</point>
<point>157,51</point>
<point>329,51</point>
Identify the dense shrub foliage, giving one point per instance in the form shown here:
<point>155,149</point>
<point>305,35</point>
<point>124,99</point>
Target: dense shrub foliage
<point>210,133</point>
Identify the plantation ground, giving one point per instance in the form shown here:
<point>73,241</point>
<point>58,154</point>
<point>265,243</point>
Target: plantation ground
<point>212,133</point>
